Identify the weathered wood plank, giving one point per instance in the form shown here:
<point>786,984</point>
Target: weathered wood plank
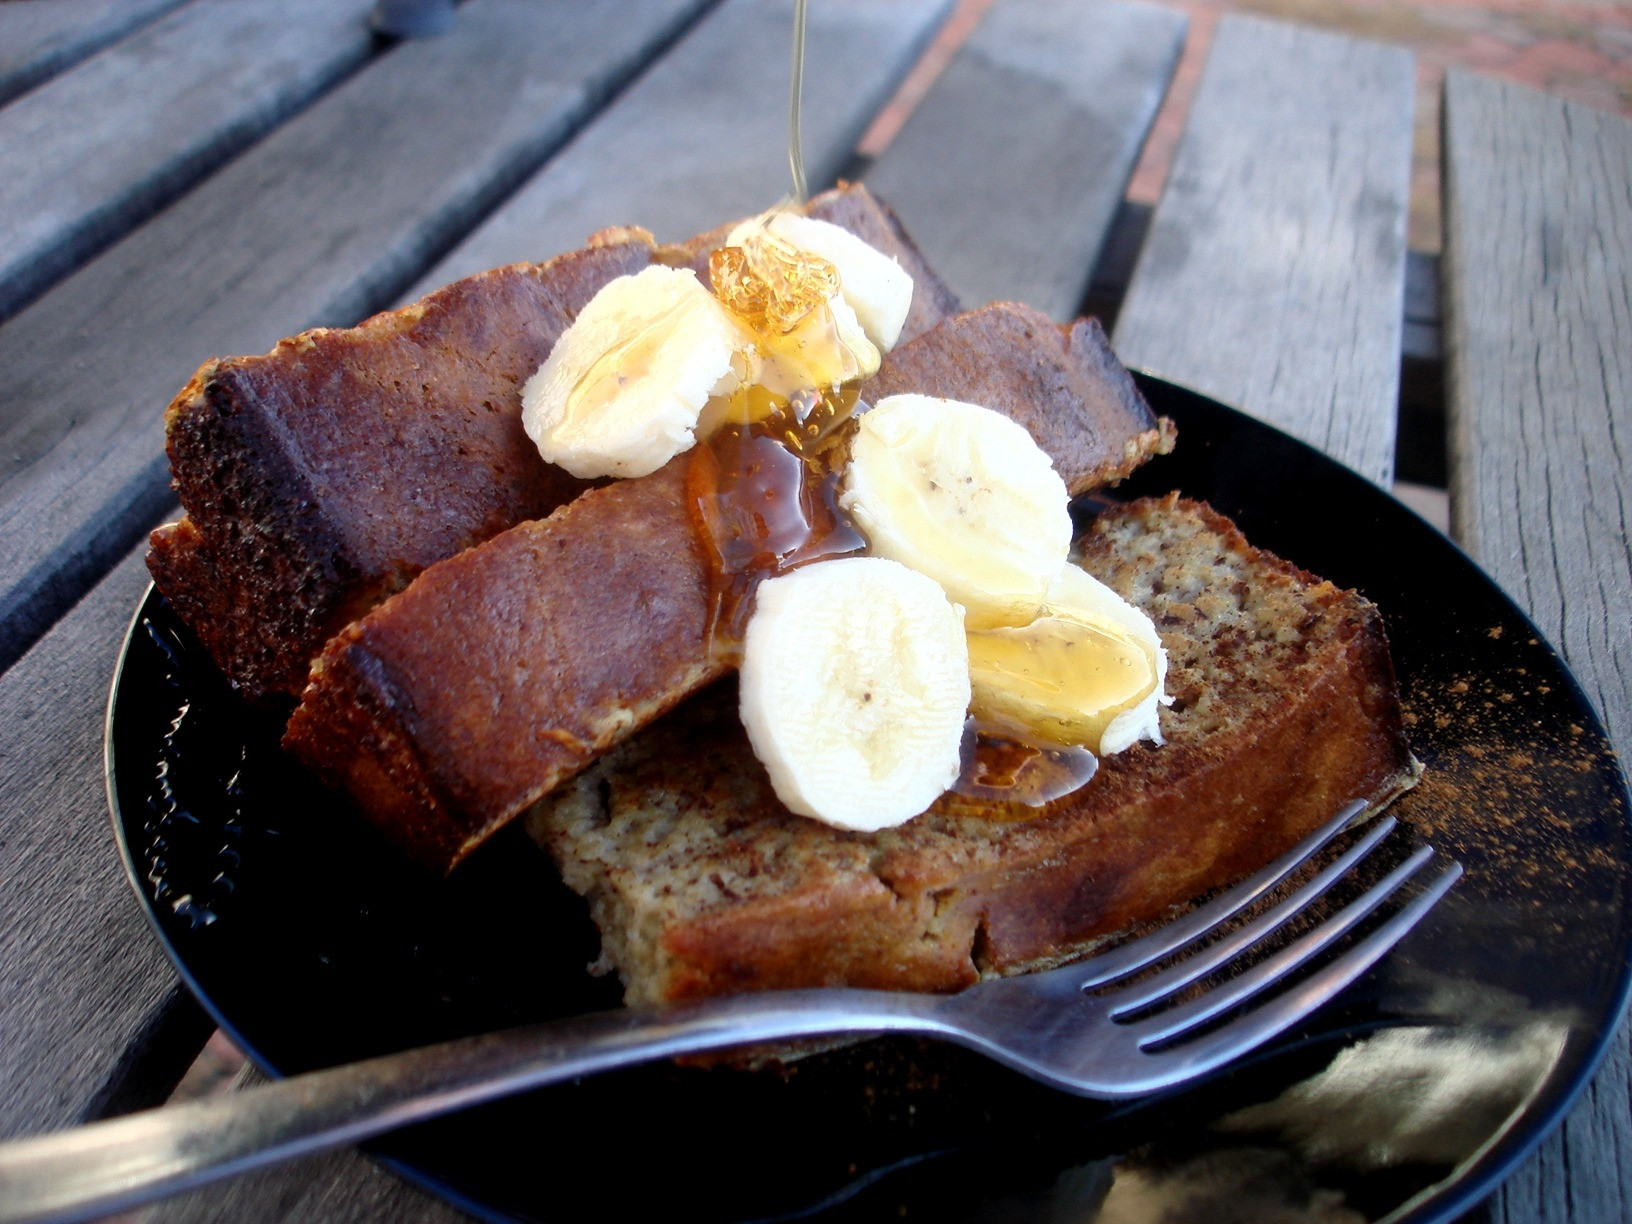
<point>702,138</point>
<point>321,222</point>
<point>81,974</point>
<point>1009,172</point>
<point>1538,333</point>
<point>1273,276</point>
<point>42,37</point>
<point>340,1187</point>
<point>85,990</point>
<point>100,148</point>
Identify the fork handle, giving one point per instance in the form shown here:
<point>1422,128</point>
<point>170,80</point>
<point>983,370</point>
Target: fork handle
<point>123,1162</point>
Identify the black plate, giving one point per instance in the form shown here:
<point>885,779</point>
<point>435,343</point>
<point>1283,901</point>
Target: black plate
<point>312,943</point>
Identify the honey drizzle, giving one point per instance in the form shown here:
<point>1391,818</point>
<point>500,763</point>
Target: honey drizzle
<point>796,83</point>
<point>1016,779</point>
<point>769,283</point>
<point>763,498</point>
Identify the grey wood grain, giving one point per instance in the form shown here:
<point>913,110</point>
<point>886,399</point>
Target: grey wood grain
<point>702,138</point>
<point>320,223</point>
<point>42,37</point>
<point>1274,272</point>
<point>83,982</point>
<point>99,148</point>
<point>340,1187</point>
<point>1537,282</point>
<point>81,974</point>
<point>1009,172</point>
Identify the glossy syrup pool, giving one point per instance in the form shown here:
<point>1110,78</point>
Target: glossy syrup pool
<point>763,498</point>
<point>1017,778</point>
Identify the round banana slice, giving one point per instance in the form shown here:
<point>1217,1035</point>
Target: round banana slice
<point>1089,670</point>
<point>877,288</point>
<point>826,348</point>
<point>963,494</point>
<point>854,690</point>
<point>621,392</point>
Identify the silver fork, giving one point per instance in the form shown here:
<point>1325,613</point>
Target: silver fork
<point>1066,1027</point>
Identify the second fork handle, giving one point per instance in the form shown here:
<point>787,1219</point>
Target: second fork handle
<point>123,1162</point>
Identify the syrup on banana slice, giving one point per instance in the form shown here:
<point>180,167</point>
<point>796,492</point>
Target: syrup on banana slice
<point>1089,670</point>
<point>876,288</point>
<point>622,391</point>
<point>963,494</point>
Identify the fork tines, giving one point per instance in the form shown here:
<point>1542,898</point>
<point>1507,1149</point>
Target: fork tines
<point>1148,1005</point>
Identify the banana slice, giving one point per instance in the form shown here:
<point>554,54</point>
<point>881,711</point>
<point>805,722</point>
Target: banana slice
<point>874,285</point>
<point>621,392</point>
<point>854,690</point>
<point>827,348</point>
<point>964,495</point>
<point>792,299</point>
<point>1089,670</point>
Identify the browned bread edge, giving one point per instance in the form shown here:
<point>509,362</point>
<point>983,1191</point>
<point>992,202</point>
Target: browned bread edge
<point>963,891</point>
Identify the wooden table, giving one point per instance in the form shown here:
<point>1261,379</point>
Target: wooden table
<point>188,179</point>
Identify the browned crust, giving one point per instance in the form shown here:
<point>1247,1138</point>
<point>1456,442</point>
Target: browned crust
<point>1066,386</point>
<point>762,899</point>
<point>321,477</point>
<point>853,933</point>
<point>454,705</point>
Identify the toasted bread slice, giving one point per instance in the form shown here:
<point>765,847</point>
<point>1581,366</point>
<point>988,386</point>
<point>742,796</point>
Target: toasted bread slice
<point>319,478</point>
<point>502,671</point>
<point>1285,708</point>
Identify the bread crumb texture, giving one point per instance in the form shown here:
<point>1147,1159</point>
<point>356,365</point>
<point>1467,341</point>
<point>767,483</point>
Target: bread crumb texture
<point>1285,707</point>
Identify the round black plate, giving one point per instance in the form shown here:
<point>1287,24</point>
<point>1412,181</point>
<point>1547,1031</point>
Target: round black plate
<point>312,943</point>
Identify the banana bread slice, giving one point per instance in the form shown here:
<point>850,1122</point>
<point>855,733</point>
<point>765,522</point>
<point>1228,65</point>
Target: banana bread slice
<point>320,477</point>
<point>1285,707</point>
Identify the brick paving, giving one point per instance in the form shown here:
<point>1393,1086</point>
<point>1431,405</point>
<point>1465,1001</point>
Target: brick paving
<point>1581,50</point>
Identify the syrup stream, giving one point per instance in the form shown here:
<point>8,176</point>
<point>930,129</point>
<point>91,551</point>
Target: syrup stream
<point>796,151</point>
